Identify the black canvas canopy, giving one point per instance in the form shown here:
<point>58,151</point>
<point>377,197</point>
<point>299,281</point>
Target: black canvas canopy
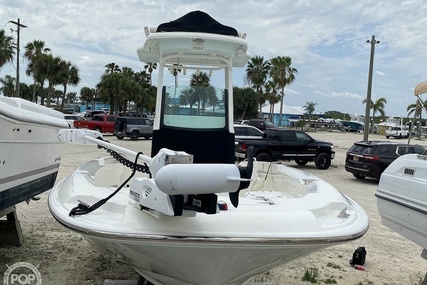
<point>198,22</point>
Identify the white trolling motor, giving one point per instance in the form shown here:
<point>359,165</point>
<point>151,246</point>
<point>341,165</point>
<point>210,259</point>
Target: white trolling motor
<point>176,184</point>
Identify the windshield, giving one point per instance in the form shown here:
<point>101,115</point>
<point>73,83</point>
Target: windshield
<point>197,107</point>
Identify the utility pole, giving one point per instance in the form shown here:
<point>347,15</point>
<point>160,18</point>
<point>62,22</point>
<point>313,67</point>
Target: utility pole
<point>19,26</point>
<point>373,42</point>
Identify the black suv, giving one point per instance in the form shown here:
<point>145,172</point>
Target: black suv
<point>133,127</point>
<point>370,159</point>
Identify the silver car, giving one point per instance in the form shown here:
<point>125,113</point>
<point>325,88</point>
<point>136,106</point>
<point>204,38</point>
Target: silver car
<point>133,127</point>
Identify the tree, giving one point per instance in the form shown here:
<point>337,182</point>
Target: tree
<point>200,83</point>
<point>245,103</point>
<point>8,86</point>
<point>417,109</point>
<point>146,98</point>
<point>25,91</point>
<point>112,67</point>
<point>132,89</point>
<point>150,67</point>
<point>272,96</point>
<point>309,108</point>
<point>282,74</point>
<point>7,50</point>
<point>33,51</point>
<point>40,72</point>
<point>186,98</point>
<point>112,88</point>
<point>377,106</point>
<point>54,71</point>
<point>86,95</point>
<point>256,74</point>
<point>69,74</point>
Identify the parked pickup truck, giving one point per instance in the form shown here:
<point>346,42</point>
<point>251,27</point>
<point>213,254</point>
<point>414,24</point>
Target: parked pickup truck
<point>285,144</point>
<point>102,123</point>
<point>397,132</point>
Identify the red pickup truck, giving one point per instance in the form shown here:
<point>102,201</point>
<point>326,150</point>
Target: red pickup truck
<point>102,123</point>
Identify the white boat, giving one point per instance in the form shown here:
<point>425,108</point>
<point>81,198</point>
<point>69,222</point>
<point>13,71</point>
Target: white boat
<point>284,217</point>
<point>401,197</point>
<point>30,151</point>
<point>190,215</point>
<point>392,121</point>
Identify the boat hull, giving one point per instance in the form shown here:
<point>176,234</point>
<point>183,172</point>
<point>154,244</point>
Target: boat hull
<point>229,262</point>
<point>30,151</point>
<point>401,199</point>
<point>280,219</point>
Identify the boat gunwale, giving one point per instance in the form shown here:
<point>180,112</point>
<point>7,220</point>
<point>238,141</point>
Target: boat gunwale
<point>35,121</point>
<point>198,239</point>
<point>399,200</point>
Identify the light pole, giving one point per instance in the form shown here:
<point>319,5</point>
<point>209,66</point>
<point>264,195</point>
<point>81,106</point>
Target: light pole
<point>373,42</point>
<point>19,26</point>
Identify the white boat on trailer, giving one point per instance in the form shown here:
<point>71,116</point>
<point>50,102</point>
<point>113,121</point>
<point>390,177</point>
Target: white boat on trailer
<point>188,214</point>
<point>30,150</point>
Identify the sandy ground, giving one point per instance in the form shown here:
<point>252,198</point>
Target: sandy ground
<point>64,257</point>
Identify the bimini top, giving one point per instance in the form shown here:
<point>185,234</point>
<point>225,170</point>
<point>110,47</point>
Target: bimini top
<point>195,39</point>
<point>197,22</point>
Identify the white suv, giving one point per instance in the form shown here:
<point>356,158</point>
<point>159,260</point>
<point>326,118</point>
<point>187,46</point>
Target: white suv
<point>397,132</point>
<point>247,132</point>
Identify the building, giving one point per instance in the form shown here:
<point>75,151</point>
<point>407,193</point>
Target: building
<point>290,114</point>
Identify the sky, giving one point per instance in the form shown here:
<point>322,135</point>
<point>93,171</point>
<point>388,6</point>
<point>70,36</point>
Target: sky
<point>327,41</point>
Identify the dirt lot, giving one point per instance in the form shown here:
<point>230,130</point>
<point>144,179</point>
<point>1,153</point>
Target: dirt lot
<point>64,257</point>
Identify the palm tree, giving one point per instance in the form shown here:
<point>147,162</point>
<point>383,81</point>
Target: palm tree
<point>282,74</point>
<point>7,50</point>
<point>33,50</point>
<point>25,91</point>
<point>40,72</point>
<point>54,72</point>
<point>112,67</point>
<point>186,98</point>
<point>256,75</point>
<point>112,88</point>
<point>130,84</point>
<point>86,95</point>
<point>309,108</point>
<point>417,109</point>
<point>69,74</point>
<point>143,99</point>
<point>150,67</point>
<point>8,88</point>
<point>377,106</point>
<point>272,96</point>
<point>200,82</point>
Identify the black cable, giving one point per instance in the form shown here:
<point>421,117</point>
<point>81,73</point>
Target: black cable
<point>83,208</point>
